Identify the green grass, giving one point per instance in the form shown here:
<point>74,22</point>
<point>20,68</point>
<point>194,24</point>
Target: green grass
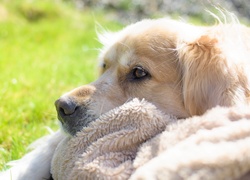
<point>46,48</point>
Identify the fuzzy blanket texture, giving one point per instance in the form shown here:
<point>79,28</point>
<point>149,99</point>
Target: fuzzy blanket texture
<point>137,141</point>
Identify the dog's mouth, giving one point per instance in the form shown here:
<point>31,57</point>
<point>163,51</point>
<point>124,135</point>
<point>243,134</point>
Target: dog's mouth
<point>72,124</point>
<point>73,128</point>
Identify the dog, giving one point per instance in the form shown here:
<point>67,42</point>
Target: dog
<point>182,69</point>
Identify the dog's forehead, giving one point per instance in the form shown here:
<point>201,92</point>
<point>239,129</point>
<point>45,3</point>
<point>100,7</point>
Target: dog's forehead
<point>121,51</point>
<point>139,38</point>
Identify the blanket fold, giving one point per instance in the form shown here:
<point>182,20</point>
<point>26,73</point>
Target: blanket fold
<point>137,141</point>
<point>107,147</point>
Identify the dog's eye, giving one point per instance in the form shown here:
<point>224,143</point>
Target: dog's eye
<point>139,72</point>
<point>104,65</point>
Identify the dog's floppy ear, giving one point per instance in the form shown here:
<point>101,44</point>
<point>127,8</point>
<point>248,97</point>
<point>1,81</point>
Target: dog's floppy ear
<point>206,75</point>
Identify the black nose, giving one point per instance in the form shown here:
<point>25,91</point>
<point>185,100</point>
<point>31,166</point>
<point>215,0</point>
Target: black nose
<point>65,107</point>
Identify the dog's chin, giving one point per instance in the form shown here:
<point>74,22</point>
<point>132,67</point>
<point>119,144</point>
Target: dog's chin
<point>73,127</point>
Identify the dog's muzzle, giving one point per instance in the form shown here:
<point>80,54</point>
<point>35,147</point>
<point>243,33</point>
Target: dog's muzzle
<point>72,116</point>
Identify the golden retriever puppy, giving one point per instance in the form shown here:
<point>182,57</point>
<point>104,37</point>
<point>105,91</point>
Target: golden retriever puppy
<point>182,69</point>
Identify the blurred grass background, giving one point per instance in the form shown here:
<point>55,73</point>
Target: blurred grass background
<point>48,47</point>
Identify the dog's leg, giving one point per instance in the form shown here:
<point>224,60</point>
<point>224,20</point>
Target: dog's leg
<point>36,164</point>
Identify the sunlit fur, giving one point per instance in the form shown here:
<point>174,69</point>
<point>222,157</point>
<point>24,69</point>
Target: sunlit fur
<point>192,68</point>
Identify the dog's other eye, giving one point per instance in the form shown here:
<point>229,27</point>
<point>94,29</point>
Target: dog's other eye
<point>104,65</point>
<point>139,73</point>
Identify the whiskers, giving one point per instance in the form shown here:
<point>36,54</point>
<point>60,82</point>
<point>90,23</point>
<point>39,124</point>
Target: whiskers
<point>222,15</point>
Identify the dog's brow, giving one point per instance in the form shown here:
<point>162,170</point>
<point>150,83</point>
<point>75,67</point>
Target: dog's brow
<point>109,56</point>
<point>124,60</point>
<point>125,45</point>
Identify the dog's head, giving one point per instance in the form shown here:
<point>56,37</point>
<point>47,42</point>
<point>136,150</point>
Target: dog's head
<point>182,69</point>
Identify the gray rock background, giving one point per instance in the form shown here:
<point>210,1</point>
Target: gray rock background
<point>129,11</point>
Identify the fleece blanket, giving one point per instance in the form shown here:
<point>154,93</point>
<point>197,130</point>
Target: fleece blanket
<point>137,141</point>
